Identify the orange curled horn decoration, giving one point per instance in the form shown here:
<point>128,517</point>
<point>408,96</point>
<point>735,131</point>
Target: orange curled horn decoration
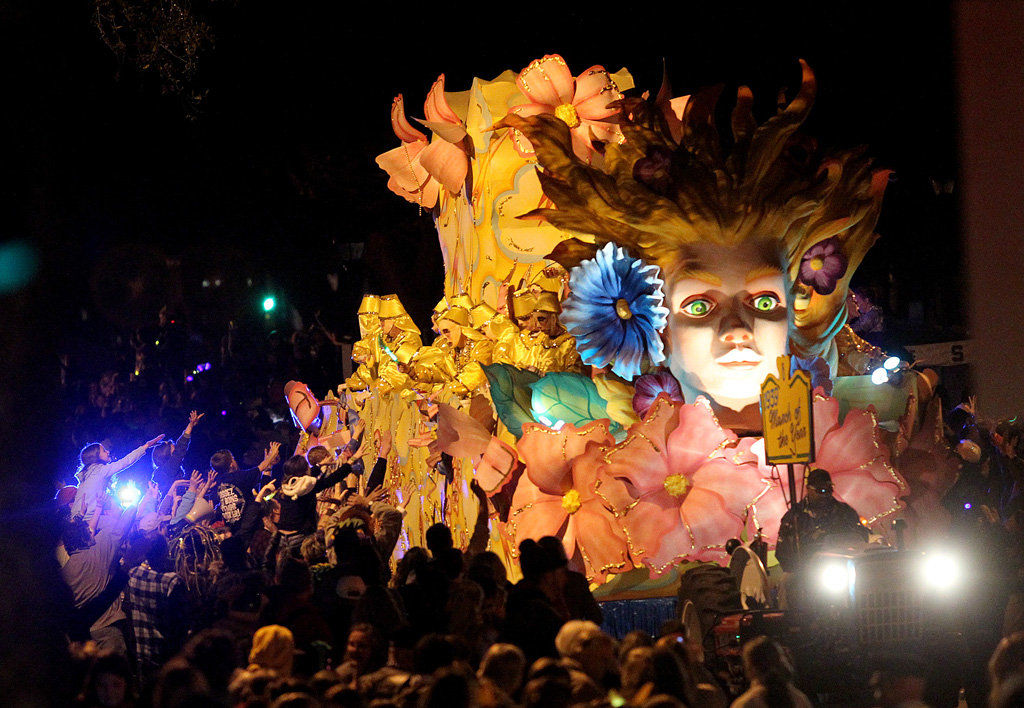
<point>302,403</point>
<point>401,125</point>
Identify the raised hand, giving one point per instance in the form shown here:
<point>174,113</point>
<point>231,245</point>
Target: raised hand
<point>272,452</point>
<point>348,455</point>
<point>155,441</point>
<point>384,443</point>
<point>971,406</point>
<point>193,418</point>
<point>376,495</point>
<point>195,480</point>
<point>266,491</point>
<point>205,487</point>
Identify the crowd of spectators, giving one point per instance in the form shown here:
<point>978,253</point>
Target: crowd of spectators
<point>230,588</point>
<point>120,386</point>
<point>228,583</point>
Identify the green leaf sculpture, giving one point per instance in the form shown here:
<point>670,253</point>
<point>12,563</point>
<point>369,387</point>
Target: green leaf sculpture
<point>511,395</point>
<point>568,397</point>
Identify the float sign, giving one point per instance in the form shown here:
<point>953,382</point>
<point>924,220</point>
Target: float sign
<point>786,416</point>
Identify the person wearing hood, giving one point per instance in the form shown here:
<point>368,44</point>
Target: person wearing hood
<point>297,495</point>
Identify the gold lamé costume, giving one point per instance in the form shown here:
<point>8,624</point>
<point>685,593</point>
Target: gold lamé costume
<point>535,351</point>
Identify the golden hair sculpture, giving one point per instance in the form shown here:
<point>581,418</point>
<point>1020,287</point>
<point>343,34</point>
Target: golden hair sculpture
<point>670,187</point>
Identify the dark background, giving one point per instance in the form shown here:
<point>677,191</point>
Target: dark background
<point>128,196</point>
<point>135,196</point>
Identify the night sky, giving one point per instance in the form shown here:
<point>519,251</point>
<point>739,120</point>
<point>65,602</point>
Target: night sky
<point>272,174</point>
<point>129,198</point>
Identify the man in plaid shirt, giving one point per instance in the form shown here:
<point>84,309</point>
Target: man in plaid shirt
<point>156,602</point>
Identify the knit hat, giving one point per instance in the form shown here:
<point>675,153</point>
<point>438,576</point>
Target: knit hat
<point>273,647</point>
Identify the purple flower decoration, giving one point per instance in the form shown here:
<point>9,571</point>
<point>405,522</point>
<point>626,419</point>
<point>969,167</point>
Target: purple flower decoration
<point>648,386</point>
<point>822,265</point>
<point>653,170</point>
<point>817,369</point>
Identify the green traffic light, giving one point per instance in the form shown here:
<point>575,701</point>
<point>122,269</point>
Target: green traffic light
<point>269,304</point>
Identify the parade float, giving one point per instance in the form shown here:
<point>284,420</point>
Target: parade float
<point>619,282</point>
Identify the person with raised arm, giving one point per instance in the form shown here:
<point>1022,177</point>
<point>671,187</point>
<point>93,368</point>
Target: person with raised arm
<point>96,468</point>
<point>90,573</point>
<point>236,487</point>
<point>167,456</point>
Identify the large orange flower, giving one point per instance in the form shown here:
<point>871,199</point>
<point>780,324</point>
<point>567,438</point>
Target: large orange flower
<point>581,103</point>
<point>409,179</point>
<point>565,494</point>
<point>419,167</point>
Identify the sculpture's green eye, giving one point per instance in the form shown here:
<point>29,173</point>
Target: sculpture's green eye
<point>765,302</point>
<point>698,307</point>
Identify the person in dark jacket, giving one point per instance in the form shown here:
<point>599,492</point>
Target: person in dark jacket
<point>817,522</point>
<point>297,496</point>
<point>237,503</point>
<point>167,456</point>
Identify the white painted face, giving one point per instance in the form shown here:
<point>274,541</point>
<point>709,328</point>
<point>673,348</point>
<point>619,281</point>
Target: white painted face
<point>452,331</point>
<point>728,324</point>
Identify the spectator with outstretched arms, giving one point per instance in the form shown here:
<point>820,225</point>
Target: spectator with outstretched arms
<point>94,472</point>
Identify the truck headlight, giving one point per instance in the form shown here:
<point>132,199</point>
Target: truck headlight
<point>940,571</point>
<point>837,578</point>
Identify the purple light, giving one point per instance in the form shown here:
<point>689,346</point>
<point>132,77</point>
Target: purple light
<point>967,505</point>
<point>223,412</point>
<point>190,377</point>
<point>206,366</point>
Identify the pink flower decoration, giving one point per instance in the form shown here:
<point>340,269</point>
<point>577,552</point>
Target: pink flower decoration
<point>419,167</point>
<point>548,453</point>
<point>581,103</point>
<point>648,387</point>
<point>691,493</point>
<point>583,517</point>
<point>409,179</point>
<point>445,159</point>
<point>854,454</point>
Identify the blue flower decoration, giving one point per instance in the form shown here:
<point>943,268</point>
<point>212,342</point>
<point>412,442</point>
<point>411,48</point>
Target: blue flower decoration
<point>616,311</point>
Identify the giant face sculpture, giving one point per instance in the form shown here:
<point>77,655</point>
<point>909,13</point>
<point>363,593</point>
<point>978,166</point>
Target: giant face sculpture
<point>727,324</point>
<point>756,240</point>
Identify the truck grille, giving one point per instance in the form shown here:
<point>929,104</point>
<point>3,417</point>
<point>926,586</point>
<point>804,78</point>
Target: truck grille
<point>889,616</point>
<point>888,606</point>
